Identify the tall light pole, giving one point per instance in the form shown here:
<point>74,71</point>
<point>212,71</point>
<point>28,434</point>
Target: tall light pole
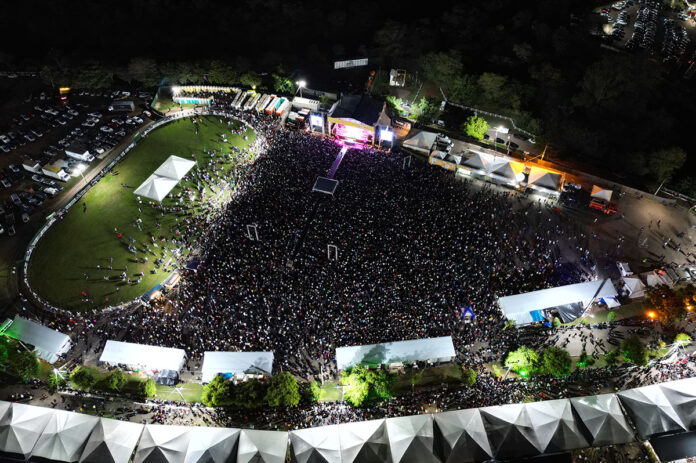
<point>300,85</point>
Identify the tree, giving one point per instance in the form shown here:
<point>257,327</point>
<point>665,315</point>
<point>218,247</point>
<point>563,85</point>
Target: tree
<point>687,186</point>
<point>83,378</point>
<point>682,339</point>
<point>144,70</point>
<point>612,357</point>
<point>427,109</point>
<point>149,388</point>
<point>468,376</point>
<point>117,379</point>
<point>585,360</point>
<point>634,351</point>
<point>362,384</point>
<point>217,392</point>
<point>665,162</point>
<point>55,381</point>
<point>611,316</point>
<point>23,364</point>
<point>283,390</point>
<point>316,393</point>
<point>475,127</point>
<point>250,79</point>
<point>522,361</point>
<point>555,361</point>
<point>249,394</point>
<point>669,305</point>
<point>556,323</point>
<point>91,74</point>
<point>282,82</point>
<point>222,72</point>
<point>443,68</point>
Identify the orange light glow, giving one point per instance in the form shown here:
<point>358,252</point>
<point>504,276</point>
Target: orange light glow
<point>651,314</point>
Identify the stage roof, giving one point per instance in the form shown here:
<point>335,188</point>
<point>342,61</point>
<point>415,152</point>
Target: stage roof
<point>400,351</point>
<point>553,297</point>
<point>362,108</point>
<point>143,356</point>
<point>252,363</point>
<point>48,344</point>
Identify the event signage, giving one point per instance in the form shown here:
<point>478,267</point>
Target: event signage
<point>351,63</point>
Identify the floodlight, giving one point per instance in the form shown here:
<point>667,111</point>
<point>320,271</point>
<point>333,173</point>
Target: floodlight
<point>301,83</point>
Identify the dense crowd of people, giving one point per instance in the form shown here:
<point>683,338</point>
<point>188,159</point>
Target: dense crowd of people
<point>414,246</point>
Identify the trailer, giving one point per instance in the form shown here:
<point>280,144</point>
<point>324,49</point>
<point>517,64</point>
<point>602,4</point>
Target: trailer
<point>240,103</point>
<point>270,107</point>
<point>252,102</point>
<point>284,106</point>
<point>263,101</point>
<point>236,99</point>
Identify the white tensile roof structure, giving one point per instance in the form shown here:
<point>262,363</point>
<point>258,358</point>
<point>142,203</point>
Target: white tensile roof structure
<point>508,170</point>
<point>411,438</point>
<point>64,437</point>
<point>477,160</point>
<point>510,431</point>
<point>364,442</point>
<point>435,349</point>
<point>155,187</point>
<point>175,168</point>
<point>309,446</point>
<point>634,286</point>
<point>421,142</point>
<point>160,443</point>
<point>682,397</point>
<point>555,427</point>
<point>262,446</point>
<point>212,445</point>
<point>544,179</point>
<point>462,436</point>
<point>143,356</point>
<point>250,363</point>
<point>651,411</point>
<point>519,306</point>
<point>603,419</point>
<point>601,193</point>
<point>111,441</point>
<point>20,427</point>
<point>48,344</point>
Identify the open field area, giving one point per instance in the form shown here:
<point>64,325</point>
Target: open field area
<point>75,254</point>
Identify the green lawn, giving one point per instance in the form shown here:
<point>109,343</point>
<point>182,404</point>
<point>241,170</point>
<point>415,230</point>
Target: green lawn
<point>74,246</point>
<point>625,311</point>
<point>191,392</point>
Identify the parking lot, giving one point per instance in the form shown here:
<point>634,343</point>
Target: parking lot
<point>49,142</point>
<point>650,27</point>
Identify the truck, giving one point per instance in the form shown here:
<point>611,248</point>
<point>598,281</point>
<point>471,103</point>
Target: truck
<point>603,206</point>
<point>55,172</point>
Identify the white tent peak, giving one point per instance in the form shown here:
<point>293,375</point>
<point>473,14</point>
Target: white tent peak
<point>601,193</point>
<point>156,187</point>
<point>175,168</point>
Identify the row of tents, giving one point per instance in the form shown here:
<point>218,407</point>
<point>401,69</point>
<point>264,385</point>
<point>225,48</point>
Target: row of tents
<point>158,185</point>
<point>472,435</point>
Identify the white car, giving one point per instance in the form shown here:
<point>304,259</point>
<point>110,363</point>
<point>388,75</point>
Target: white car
<point>88,124</point>
<point>137,119</point>
<point>95,115</point>
<point>73,112</point>
<point>4,138</point>
<point>106,129</point>
<point>99,150</point>
<point>51,111</point>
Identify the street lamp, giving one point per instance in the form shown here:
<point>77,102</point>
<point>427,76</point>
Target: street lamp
<point>300,85</point>
<point>498,128</point>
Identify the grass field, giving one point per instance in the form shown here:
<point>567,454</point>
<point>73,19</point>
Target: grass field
<point>64,263</point>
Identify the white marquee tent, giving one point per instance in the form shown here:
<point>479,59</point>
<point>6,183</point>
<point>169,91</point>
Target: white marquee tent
<point>421,142</point>
<point>48,344</point>
<point>510,431</point>
<point>634,286</point>
<point>162,443</point>
<point>309,446</point>
<point>143,356</point>
<point>682,397</point>
<point>175,168</point>
<point>545,180</point>
<point>555,427</point>
<point>411,438</point>
<point>64,437</point>
<point>236,363</point>
<point>650,411</point>
<point>155,187</point>
<point>462,436</point>
<point>433,349</point>
<point>111,441</point>
<point>601,193</point>
<point>520,306</point>
<point>212,445</point>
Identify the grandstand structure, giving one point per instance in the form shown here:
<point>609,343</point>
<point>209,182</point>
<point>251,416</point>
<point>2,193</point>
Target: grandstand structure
<point>549,428</point>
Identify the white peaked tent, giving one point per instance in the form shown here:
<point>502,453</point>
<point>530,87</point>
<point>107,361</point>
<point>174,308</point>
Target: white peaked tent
<point>634,286</point>
<point>601,193</point>
<point>422,142</point>
<point>20,427</point>
<point>235,363</point>
<point>411,438</point>
<point>175,168</point>
<point>111,441</point>
<point>364,442</point>
<point>262,446</point>
<point>212,445</point>
<point>64,436</point>
<point>650,411</point>
<point>542,178</point>
<point>48,344</point>
<point>508,170</point>
<point>682,396</point>
<point>316,445</point>
<point>461,436</point>
<point>601,415</point>
<point>554,426</point>
<point>477,160</point>
<point>162,444</point>
<point>510,431</point>
<point>155,187</point>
